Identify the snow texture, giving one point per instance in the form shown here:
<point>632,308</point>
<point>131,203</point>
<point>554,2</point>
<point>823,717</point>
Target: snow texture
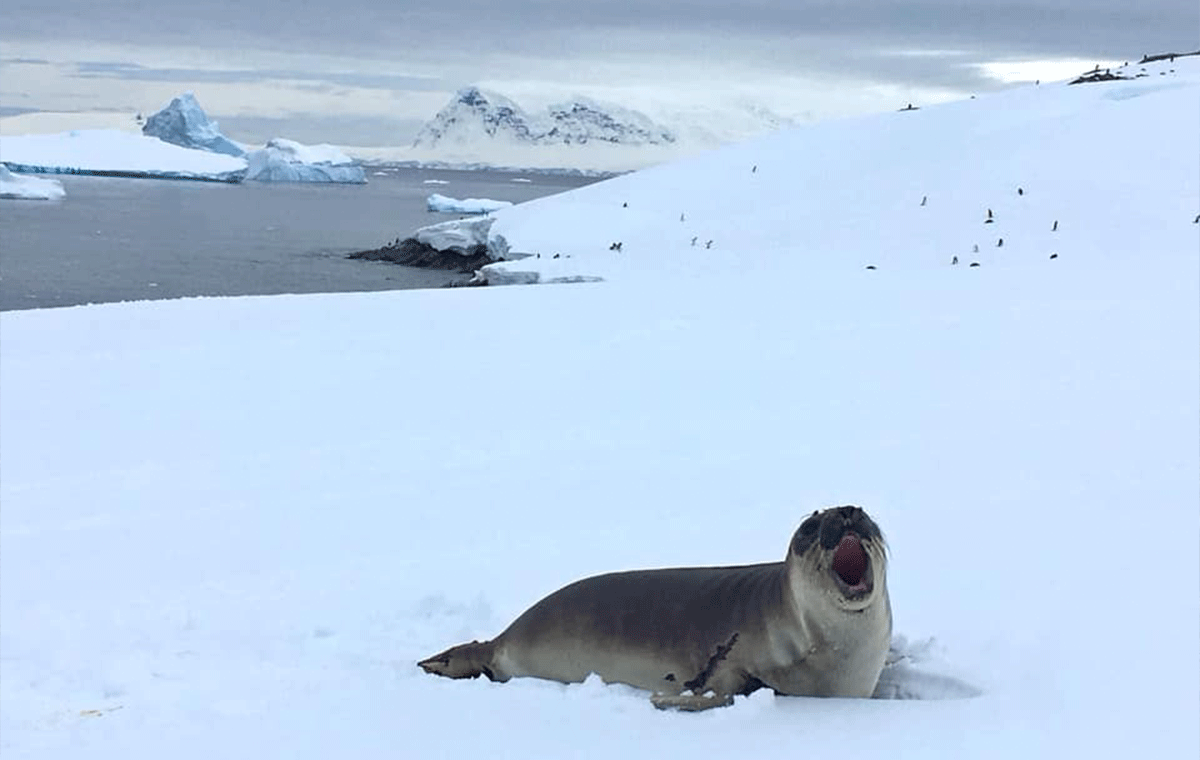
<point>116,153</point>
<point>20,187</point>
<point>282,160</point>
<point>230,527</point>
<point>438,202</point>
<point>183,122</point>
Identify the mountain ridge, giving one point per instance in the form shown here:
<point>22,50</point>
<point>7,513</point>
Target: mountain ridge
<point>476,115</point>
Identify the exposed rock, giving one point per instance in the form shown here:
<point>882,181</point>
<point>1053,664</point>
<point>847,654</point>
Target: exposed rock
<point>413,253</point>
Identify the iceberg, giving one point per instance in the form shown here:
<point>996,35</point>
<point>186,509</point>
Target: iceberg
<point>113,153</point>
<point>282,160</point>
<point>29,188</point>
<point>437,202</point>
<point>184,123</point>
<point>459,236</point>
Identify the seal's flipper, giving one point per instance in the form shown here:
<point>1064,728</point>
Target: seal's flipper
<point>691,702</point>
<point>463,661</point>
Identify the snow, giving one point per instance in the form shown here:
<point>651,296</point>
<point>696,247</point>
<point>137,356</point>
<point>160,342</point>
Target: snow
<point>457,234</point>
<point>20,187</point>
<point>283,160</point>
<point>961,158</point>
<point>438,202</point>
<point>113,152</point>
<point>183,122</point>
<point>232,526</point>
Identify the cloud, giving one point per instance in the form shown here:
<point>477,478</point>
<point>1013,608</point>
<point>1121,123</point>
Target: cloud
<point>370,80</point>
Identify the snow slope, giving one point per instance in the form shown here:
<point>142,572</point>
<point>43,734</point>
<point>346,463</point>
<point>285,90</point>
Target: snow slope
<point>231,526</point>
<point>896,191</point>
<point>21,187</point>
<point>113,152</point>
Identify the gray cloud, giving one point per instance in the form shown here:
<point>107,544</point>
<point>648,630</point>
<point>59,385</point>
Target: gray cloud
<point>133,71</point>
<point>371,28</point>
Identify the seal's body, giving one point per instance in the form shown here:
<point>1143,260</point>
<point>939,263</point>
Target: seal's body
<point>817,624</point>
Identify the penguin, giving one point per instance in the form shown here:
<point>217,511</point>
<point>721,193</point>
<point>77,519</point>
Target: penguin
<point>1000,243</point>
<point>953,261</point>
<point>924,198</point>
<point>1055,227</point>
<point>974,263</point>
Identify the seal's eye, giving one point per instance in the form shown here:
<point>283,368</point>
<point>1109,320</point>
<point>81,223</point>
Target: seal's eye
<point>809,526</point>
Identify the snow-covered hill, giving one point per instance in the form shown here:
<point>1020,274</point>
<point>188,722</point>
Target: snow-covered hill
<point>231,527</point>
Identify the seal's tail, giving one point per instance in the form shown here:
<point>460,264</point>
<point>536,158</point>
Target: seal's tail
<point>463,661</point>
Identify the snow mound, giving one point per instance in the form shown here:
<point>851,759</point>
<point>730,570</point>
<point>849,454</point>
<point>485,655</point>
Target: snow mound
<point>282,160</point>
<point>183,122</point>
<point>109,152</point>
<point>437,202</point>
<point>29,188</point>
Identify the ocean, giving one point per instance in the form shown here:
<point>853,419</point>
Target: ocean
<point>117,239</point>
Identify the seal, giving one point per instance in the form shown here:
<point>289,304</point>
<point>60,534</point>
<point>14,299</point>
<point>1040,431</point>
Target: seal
<point>816,624</point>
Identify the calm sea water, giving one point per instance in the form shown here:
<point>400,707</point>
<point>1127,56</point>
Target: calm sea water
<point>136,239</point>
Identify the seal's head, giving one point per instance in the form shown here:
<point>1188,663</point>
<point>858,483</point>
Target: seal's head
<point>839,553</point>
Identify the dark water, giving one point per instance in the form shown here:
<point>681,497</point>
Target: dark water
<point>134,239</point>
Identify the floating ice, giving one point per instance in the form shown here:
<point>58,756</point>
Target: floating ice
<point>438,202</point>
<point>282,160</point>
<point>29,188</point>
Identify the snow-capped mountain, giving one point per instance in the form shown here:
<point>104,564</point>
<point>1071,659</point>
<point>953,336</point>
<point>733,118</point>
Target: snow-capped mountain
<point>477,116</point>
<point>582,120</point>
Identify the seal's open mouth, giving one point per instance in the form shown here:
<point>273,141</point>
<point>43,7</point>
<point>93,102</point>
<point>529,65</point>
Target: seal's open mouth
<point>850,565</point>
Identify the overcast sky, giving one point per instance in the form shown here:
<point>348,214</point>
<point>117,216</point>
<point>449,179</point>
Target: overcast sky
<point>368,72</point>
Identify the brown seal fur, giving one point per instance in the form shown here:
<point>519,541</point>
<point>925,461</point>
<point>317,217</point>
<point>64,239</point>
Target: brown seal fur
<point>816,624</point>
